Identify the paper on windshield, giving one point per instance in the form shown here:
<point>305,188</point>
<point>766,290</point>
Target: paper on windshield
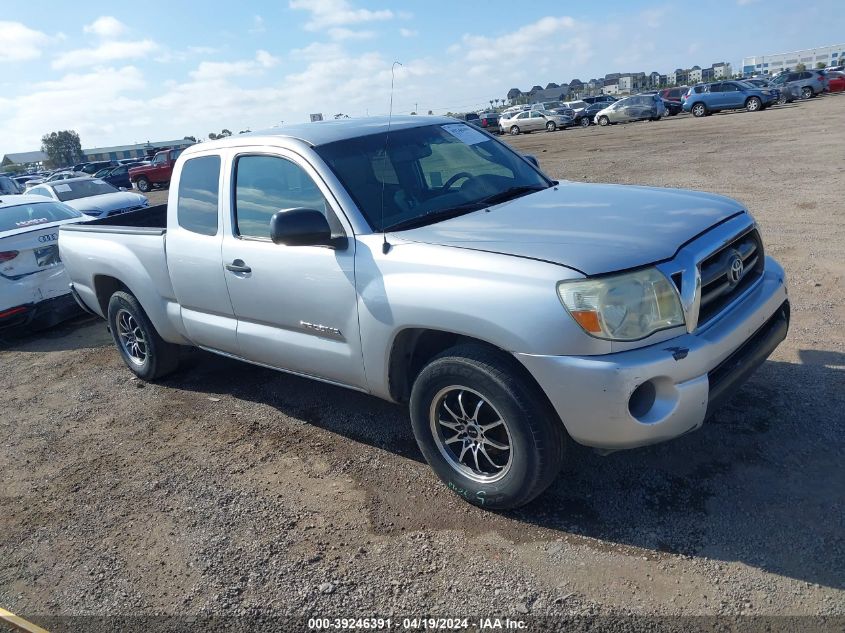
<point>61,188</point>
<point>465,133</point>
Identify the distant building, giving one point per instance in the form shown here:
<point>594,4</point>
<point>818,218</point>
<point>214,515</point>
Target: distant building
<point>773,64</point>
<point>550,94</point>
<point>708,74</point>
<point>722,70</point>
<point>610,88</point>
<point>694,75</point>
<point>137,150</point>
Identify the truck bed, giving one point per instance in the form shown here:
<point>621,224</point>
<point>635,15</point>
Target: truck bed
<point>147,221</point>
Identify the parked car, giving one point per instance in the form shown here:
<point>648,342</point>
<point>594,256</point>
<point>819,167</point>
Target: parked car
<point>532,121</point>
<point>673,94</point>
<point>672,107</point>
<point>508,310</point>
<point>157,173</point>
<point>599,99</point>
<point>728,95</point>
<point>91,196</point>
<point>835,81</point>
<point>54,177</point>
<point>119,176</point>
<point>487,121</point>
<point>34,287</point>
<point>808,83</point>
<point>22,180</point>
<point>92,168</point>
<point>585,117</point>
<point>576,106</point>
<point>783,94</point>
<point>8,186</point>
<point>634,108</point>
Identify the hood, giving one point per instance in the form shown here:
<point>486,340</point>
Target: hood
<point>594,229</point>
<point>107,202</point>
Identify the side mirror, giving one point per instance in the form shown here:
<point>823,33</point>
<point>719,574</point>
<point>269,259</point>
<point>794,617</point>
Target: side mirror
<point>302,227</point>
<point>532,159</point>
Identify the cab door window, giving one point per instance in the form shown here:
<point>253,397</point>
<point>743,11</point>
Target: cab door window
<point>267,184</point>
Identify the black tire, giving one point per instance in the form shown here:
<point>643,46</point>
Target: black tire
<point>144,184</point>
<point>585,121</point>
<point>160,357</point>
<point>514,130</point>
<point>532,429</point>
<point>604,121</point>
<point>551,126</point>
<point>699,110</point>
<point>807,92</point>
<point>753,104</point>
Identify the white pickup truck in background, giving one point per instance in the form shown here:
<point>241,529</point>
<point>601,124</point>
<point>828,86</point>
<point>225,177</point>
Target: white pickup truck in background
<point>439,267</point>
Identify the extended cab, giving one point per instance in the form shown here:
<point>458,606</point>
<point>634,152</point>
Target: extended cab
<point>157,173</point>
<point>431,264</point>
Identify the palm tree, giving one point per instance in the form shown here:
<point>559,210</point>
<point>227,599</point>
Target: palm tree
<point>491,103</point>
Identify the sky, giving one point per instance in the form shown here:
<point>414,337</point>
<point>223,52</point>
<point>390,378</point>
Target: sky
<point>120,75</point>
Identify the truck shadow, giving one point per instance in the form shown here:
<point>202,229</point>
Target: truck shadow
<point>761,483</point>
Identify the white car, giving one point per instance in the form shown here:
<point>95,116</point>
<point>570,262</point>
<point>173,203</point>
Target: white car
<point>34,287</point>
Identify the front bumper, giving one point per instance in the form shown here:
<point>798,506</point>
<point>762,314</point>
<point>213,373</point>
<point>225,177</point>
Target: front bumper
<point>652,394</point>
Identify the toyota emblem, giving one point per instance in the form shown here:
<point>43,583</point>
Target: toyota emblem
<point>736,269</point>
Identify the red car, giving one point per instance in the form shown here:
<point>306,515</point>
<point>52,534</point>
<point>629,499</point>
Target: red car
<point>835,81</point>
<point>157,173</point>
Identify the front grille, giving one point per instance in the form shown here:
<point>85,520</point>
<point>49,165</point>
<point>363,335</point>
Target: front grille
<point>718,287</point>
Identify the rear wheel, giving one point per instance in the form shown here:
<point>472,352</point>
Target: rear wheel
<point>485,428</point>
<point>144,184</point>
<point>551,126</point>
<point>142,349</point>
<point>603,121</point>
<point>753,104</point>
<point>514,130</point>
<point>699,110</point>
<point>806,92</point>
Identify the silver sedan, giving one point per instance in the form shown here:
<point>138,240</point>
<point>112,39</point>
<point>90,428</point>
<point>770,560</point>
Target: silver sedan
<point>533,121</point>
<point>91,196</point>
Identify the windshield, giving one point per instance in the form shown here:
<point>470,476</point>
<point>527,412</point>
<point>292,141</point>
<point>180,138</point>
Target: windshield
<point>8,186</point>
<point>82,189</point>
<point>34,213</point>
<point>428,173</point>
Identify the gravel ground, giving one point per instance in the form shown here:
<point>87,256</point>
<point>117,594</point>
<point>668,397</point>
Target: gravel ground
<point>228,489</point>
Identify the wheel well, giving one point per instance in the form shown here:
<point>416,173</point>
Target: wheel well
<point>104,288</point>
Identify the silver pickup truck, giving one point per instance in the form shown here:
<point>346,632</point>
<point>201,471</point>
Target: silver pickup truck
<point>425,262</point>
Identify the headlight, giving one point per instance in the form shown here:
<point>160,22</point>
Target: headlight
<point>623,307</point>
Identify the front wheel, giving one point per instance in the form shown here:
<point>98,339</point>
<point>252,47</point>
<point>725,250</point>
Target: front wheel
<point>585,122</point>
<point>782,99</point>
<point>604,121</point>
<point>142,349</point>
<point>484,428</point>
<point>144,185</point>
<point>514,130</point>
<point>806,92</point>
<point>551,126</point>
<point>753,104</point>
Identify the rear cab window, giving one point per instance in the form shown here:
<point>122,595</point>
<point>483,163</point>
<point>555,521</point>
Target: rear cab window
<point>199,192</point>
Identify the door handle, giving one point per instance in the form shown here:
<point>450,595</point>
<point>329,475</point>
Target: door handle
<point>238,266</point>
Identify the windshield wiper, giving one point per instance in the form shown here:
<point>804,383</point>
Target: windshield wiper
<point>436,216</point>
<point>511,193</point>
<point>461,209</point>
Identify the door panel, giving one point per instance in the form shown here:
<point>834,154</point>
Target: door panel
<point>296,305</point>
<point>193,244</point>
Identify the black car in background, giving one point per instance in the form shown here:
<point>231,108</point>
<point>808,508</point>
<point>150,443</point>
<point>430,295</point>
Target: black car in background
<point>585,117</point>
<point>673,107</point>
<point>486,121</point>
<point>92,168</point>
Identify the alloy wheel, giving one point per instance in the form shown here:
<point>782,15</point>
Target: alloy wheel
<point>471,434</point>
<point>131,336</point>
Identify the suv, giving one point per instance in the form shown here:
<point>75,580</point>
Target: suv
<point>634,108</point>
<point>727,95</point>
<point>808,83</point>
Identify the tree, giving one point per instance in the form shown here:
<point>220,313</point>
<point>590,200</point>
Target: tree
<point>223,134</point>
<point>246,131</point>
<point>799,68</point>
<point>62,148</point>
<point>226,132</point>
<point>821,65</point>
<point>341,115</point>
<point>193,139</point>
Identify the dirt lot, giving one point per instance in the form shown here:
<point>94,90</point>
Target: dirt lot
<point>229,489</point>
